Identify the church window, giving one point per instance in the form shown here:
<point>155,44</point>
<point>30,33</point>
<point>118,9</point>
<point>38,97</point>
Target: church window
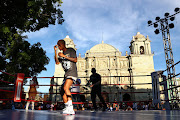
<point>141,50</point>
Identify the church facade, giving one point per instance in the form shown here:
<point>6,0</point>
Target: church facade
<point>123,77</point>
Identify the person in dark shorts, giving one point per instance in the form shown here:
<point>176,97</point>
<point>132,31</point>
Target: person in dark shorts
<point>68,60</point>
<point>95,78</point>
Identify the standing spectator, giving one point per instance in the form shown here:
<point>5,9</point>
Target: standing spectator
<point>52,106</point>
<point>124,106</point>
<point>47,106</point>
<point>32,92</point>
<point>12,105</point>
<point>134,106</point>
<point>111,108</point>
<point>115,105</point>
<point>95,78</point>
<point>139,106</point>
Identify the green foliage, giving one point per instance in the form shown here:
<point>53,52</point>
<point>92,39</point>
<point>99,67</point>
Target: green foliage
<point>16,54</point>
<point>31,15</point>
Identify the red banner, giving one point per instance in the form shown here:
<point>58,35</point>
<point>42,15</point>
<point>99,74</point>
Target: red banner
<point>18,87</point>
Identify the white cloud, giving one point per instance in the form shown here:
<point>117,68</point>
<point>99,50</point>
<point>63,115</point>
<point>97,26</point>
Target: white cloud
<point>90,19</point>
<point>41,33</point>
<point>118,20</point>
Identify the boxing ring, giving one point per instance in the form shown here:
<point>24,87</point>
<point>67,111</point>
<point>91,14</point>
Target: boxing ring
<point>121,114</point>
<point>21,114</point>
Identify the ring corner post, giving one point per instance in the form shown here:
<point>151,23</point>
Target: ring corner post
<point>18,87</point>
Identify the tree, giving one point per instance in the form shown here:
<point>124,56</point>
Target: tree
<point>16,54</point>
<point>29,15</point>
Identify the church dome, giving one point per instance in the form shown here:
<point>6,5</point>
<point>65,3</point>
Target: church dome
<point>103,48</point>
<point>139,36</point>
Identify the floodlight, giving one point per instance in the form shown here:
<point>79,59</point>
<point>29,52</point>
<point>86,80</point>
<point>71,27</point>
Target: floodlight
<point>171,25</point>
<point>158,18</point>
<point>172,18</point>
<point>155,25</point>
<point>176,9</point>
<point>156,31</point>
<point>149,22</point>
<point>166,14</point>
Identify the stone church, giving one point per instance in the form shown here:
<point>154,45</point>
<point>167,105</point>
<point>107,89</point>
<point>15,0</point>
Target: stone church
<point>124,78</point>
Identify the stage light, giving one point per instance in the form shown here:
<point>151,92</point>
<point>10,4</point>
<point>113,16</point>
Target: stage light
<point>171,25</point>
<point>172,18</point>
<point>156,31</point>
<point>157,18</point>
<point>166,14</point>
<point>176,9</point>
<point>149,22</point>
<point>155,25</point>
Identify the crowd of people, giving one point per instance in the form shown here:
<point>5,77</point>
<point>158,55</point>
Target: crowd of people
<point>117,106</point>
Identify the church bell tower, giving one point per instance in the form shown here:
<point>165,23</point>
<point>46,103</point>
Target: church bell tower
<point>140,45</point>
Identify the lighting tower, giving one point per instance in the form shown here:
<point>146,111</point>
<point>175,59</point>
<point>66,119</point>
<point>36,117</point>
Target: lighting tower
<point>164,28</point>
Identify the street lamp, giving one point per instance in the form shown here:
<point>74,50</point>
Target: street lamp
<point>164,28</point>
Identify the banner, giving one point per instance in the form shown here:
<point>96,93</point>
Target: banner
<point>18,87</point>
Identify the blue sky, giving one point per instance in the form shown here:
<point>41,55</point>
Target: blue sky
<point>86,21</point>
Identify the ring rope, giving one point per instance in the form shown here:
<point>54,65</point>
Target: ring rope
<point>82,102</point>
<point>90,92</point>
<point>88,77</point>
<point>7,73</point>
<point>6,90</point>
<point>101,84</point>
<point>6,82</point>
